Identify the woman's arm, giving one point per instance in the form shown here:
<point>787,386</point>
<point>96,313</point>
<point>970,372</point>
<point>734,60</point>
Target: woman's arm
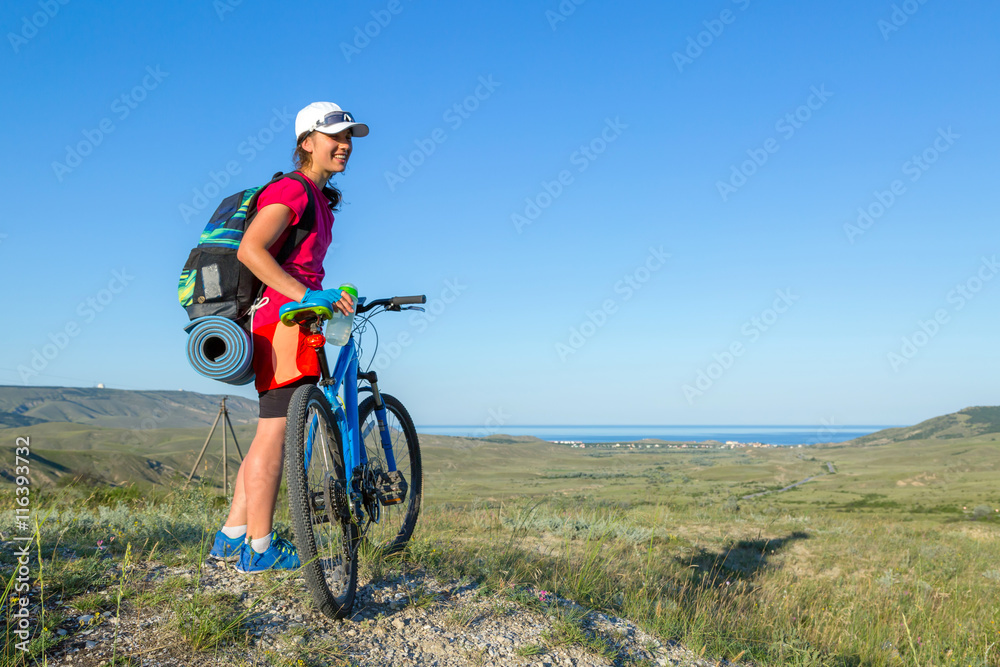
<point>266,227</point>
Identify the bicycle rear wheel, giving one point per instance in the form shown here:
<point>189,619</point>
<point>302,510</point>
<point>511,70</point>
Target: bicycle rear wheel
<point>397,521</point>
<point>325,535</point>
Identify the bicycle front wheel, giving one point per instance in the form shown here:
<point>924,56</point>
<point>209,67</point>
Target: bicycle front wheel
<point>325,535</point>
<point>397,520</point>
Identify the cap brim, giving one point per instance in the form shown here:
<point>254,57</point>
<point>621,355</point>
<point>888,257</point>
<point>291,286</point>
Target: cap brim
<point>357,129</point>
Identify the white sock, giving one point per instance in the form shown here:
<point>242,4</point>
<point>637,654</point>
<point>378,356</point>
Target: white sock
<point>233,532</point>
<point>262,544</point>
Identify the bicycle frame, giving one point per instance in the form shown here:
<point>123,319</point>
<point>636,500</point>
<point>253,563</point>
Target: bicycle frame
<point>346,412</point>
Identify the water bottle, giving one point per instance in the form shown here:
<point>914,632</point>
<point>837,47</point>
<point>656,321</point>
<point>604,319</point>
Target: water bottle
<point>338,329</point>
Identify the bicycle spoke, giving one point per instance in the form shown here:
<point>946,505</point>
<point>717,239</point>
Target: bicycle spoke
<point>313,465</point>
<point>398,513</point>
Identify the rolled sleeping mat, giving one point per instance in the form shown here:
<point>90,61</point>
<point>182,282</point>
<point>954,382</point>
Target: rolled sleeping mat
<point>220,349</point>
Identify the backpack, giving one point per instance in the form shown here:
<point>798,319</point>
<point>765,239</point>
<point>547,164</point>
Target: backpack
<point>214,281</point>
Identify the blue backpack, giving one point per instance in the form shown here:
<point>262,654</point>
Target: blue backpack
<point>214,281</point>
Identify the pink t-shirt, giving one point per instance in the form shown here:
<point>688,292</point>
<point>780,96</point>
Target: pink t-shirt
<point>306,261</point>
<point>280,353</point>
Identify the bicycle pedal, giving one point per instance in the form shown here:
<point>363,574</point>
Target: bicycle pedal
<point>390,487</point>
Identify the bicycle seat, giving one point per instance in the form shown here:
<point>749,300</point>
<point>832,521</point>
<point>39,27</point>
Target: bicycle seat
<point>304,312</point>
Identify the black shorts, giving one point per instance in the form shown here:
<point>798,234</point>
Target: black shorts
<point>274,402</point>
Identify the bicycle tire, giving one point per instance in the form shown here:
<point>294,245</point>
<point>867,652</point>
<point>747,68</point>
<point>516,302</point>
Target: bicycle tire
<point>397,522</point>
<point>313,453</point>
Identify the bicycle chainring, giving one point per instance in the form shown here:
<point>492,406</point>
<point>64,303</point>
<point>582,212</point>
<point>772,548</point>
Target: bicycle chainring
<point>369,487</point>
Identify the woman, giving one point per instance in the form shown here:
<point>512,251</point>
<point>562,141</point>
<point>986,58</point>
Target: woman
<point>282,362</point>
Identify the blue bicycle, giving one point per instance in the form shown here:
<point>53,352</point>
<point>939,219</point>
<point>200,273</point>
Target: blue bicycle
<point>354,473</point>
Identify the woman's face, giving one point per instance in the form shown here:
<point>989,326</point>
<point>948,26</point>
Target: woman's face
<point>330,152</point>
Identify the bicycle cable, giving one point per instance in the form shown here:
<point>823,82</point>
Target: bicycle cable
<point>360,330</point>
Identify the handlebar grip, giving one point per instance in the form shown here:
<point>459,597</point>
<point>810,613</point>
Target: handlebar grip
<point>406,300</point>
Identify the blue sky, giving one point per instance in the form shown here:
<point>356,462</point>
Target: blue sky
<point>627,214</point>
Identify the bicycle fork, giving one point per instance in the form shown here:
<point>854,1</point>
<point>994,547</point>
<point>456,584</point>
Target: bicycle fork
<point>389,485</point>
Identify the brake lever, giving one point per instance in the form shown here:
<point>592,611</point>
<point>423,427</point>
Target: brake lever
<point>412,308</point>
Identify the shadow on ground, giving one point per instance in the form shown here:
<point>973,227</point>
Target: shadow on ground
<point>742,560</point>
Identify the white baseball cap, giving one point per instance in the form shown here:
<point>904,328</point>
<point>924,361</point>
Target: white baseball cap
<point>328,118</point>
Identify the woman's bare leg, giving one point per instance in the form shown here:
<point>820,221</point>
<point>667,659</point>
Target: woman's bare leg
<point>256,490</point>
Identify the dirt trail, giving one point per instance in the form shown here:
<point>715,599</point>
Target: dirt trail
<point>409,619</point>
<point>790,486</point>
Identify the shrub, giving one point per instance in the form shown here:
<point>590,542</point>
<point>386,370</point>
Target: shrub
<point>981,511</point>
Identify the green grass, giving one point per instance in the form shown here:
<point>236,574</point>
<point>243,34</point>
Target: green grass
<point>88,603</point>
<point>164,592</point>
<point>568,629</point>
<point>462,617</point>
<point>207,620</point>
<point>529,650</point>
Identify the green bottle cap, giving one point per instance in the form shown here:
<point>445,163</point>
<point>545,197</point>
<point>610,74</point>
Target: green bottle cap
<point>350,289</point>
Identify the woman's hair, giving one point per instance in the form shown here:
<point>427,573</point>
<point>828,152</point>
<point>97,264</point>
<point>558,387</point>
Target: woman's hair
<point>302,158</point>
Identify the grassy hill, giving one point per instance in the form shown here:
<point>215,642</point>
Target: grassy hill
<point>966,423</point>
<point>119,455</point>
<point>116,408</point>
<point>115,455</point>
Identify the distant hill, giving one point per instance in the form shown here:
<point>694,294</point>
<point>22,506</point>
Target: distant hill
<point>151,436</point>
<point>966,423</point>
<point>116,408</point>
<point>61,449</point>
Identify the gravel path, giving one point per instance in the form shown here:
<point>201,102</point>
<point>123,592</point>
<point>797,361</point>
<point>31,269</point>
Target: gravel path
<point>790,486</point>
<point>409,619</point>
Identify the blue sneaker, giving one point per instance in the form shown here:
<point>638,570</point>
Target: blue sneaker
<point>281,555</point>
<point>226,548</point>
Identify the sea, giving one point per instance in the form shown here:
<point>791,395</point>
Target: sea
<point>771,435</point>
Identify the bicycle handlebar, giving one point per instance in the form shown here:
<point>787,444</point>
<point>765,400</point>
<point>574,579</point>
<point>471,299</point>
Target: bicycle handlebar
<point>392,304</point>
